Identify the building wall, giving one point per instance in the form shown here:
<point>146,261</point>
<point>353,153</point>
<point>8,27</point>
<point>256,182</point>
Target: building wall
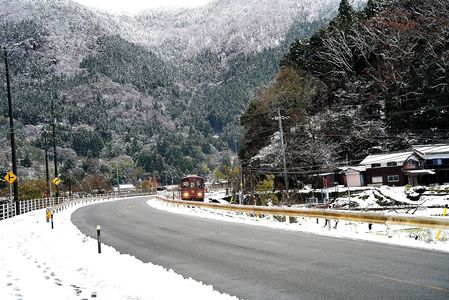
<point>384,172</point>
<point>441,172</point>
<point>353,179</point>
<point>319,181</point>
<point>429,164</point>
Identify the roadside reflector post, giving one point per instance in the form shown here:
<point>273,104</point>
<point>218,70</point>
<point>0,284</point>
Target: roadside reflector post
<point>431,234</point>
<point>47,215</point>
<point>439,231</point>
<point>52,226</point>
<point>389,231</point>
<point>99,238</point>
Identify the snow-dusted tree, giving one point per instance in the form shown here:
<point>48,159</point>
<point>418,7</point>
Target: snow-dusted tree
<point>373,7</point>
<point>346,17</point>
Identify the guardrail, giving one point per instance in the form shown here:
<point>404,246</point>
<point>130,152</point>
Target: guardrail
<point>61,206</point>
<point>8,210</point>
<point>365,217</point>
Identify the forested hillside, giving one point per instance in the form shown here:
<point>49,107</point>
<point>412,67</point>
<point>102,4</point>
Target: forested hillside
<point>161,91</point>
<point>371,81</point>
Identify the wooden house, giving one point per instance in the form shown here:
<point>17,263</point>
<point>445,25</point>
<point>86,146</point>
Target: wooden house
<point>386,169</point>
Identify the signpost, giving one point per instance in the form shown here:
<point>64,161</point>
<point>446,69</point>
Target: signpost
<point>10,177</point>
<point>56,181</point>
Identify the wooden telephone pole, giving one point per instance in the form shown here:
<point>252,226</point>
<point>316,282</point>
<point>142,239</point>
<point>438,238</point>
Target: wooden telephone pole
<point>13,140</point>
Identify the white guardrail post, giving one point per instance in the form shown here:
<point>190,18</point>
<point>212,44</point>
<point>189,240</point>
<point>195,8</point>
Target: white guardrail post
<point>58,204</point>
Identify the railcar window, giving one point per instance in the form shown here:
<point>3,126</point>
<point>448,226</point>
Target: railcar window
<point>192,184</point>
<point>185,184</point>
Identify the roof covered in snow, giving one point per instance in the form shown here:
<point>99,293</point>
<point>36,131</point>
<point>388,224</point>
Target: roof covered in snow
<point>126,186</point>
<point>432,151</point>
<point>398,157</point>
<point>355,168</point>
<point>419,172</point>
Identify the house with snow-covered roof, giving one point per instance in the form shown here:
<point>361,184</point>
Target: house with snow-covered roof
<point>423,165</point>
<point>432,165</point>
<point>387,168</point>
<point>352,176</point>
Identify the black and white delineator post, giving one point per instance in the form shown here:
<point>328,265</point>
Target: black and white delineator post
<point>99,238</point>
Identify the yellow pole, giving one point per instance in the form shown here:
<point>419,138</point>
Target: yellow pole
<point>439,231</point>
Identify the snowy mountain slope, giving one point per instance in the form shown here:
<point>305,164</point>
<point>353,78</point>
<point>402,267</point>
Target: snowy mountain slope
<point>144,72</point>
<point>231,25</point>
<point>222,26</point>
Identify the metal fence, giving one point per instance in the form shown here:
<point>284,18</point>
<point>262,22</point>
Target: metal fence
<point>8,210</point>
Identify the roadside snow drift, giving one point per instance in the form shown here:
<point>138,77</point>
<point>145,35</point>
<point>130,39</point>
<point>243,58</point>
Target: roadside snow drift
<point>37,262</point>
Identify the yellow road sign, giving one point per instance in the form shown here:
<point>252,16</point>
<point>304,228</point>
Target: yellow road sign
<point>56,181</point>
<point>10,177</point>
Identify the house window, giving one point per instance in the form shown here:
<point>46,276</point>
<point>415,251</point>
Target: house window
<point>378,179</point>
<point>393,178</point>
<point>375,165</point>
<point>437,162</point>
<point>392,164</point>
<point>413,162</point>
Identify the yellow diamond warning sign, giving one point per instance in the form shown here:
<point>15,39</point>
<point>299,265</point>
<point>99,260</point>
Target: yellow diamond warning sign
<point>56,181</point>
<point>10,177</point>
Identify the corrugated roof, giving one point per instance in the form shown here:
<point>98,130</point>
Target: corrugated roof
<point>418,172</point>
<point>398,157</point>
<point>432,149</point>
<point>356,168</point>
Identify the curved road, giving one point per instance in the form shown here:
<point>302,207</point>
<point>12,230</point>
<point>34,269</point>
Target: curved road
<point>253,262</point>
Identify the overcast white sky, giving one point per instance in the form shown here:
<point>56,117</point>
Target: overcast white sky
<point>133,6</point>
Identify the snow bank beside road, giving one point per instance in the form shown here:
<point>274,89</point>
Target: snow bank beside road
<point>403,236</point>
<point>37,262</point>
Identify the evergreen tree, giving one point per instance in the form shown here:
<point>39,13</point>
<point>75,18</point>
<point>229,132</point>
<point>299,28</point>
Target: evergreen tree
<point>346,16</point>
<point>26,162</point>
<point>372,8</point>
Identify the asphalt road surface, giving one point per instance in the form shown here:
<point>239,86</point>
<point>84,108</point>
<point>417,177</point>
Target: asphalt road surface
<point>253,262</point>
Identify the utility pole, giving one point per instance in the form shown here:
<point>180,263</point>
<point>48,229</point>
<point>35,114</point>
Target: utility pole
<point>47,172</point>
<point>347,183</point>
<point>69,179</point>
<point>13,140</point>
<point>283,151</point>
<point>55,157</point>
<point>118,181</point>
<point>240,185</point>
